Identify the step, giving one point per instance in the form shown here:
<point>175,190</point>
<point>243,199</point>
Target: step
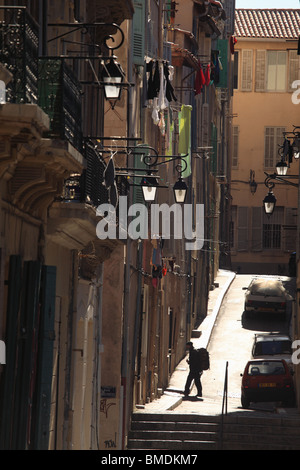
<point>259,429</point>
<point>262,438</point>
<point>174,435</point>
<point>171,444</point>
<point>178,417</point>
<point>174,426</point>
<point>236,445</point>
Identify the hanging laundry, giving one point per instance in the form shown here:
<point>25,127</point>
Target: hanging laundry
<point>207,75</point>
<point>153,80</point>
<point>199,80</point>
<point>169,72</point>
<point>232,42</point>
<point>162,100</point>
<point>155,111</point>
<point>184,138</point>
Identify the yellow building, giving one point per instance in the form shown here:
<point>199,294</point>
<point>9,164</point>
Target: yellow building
<point>265,112</point>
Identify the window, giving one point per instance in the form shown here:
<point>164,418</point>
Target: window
<point>272,229</point>
<point>294,68</point>
<point>242,228</point>
<point>276,71</point>
<point>246,70</point>
<point>235,146</point>
<point>273,139</point>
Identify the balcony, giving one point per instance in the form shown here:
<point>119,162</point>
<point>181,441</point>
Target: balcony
<point>59,95</point>
<point>47,82</point>
<point>72,218</point>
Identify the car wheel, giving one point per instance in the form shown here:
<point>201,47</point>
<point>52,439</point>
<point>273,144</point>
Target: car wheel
<point>245,402</point>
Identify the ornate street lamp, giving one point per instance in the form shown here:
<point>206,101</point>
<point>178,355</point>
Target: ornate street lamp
<point>149,185</point>
<point>180,191</point>
<point>281,168</point>
<point>269,203</point>
<point>112,77</point>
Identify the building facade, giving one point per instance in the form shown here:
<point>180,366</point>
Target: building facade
<point>264,118</point>
<point>94,325</point>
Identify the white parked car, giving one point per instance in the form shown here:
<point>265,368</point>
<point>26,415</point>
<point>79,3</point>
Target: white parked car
<point>267,295</point>
<point>272,346</point>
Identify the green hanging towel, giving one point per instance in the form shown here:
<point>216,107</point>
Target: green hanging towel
<point>184,142</point>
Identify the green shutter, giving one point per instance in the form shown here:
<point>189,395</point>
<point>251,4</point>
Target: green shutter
<point>27,354</point>
<point>45,355</point>
<point>139,32</point>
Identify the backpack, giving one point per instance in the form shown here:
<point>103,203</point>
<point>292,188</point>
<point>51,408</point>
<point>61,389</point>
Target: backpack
<point>203,358</point>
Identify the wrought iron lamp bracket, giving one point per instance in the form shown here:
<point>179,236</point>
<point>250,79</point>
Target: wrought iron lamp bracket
<point>84,27</point>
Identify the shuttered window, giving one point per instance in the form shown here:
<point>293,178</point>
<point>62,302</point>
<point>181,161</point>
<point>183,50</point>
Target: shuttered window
<point>246,70</point>
<point>276,71</point>
<point>260,70</point>
<point>242,228</point>
<point>294,68</point>
<point>273,139</point>
<point>272,236</point>
<point>139,32</point>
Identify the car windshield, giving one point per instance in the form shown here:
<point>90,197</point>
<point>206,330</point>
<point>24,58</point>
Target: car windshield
<point>267,289</point>
<point>266,368</point>
<point>272,347</point>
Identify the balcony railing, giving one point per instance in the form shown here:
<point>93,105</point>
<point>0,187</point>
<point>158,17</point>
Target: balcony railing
<point>19,42</point>
<point>59,95</point>
<point>89,187</point>
<point>48,82</point>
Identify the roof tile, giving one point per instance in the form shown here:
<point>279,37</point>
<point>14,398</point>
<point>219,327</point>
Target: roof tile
<point>267,23</point>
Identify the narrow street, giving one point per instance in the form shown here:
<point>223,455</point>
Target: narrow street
<point>232,340</point>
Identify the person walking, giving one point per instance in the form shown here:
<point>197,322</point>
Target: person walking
<point>195,370</point>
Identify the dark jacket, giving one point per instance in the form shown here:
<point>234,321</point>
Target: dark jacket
<point>194,361</point>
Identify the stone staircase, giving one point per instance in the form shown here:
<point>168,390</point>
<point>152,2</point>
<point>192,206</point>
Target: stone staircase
<point>169,431</point>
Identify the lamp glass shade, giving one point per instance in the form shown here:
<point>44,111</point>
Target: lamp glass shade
<point>112,77</point>
<point>111,91</point>
<point>149,186</point>
<point>269,203</point>
<point>296,148</point>
<point>180,190</point>
<point>281,168</point>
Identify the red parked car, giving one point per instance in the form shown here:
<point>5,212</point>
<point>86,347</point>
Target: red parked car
<point>267,380</point>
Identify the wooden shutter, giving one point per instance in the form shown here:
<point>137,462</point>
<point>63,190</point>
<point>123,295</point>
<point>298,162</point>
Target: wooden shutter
<point>256,229</point>
<point>242,229</point>
<point>246,70</point>
<point>294,68</point>
<point>139,32</point>
<point>260,71</point>
<point>45,355</point>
